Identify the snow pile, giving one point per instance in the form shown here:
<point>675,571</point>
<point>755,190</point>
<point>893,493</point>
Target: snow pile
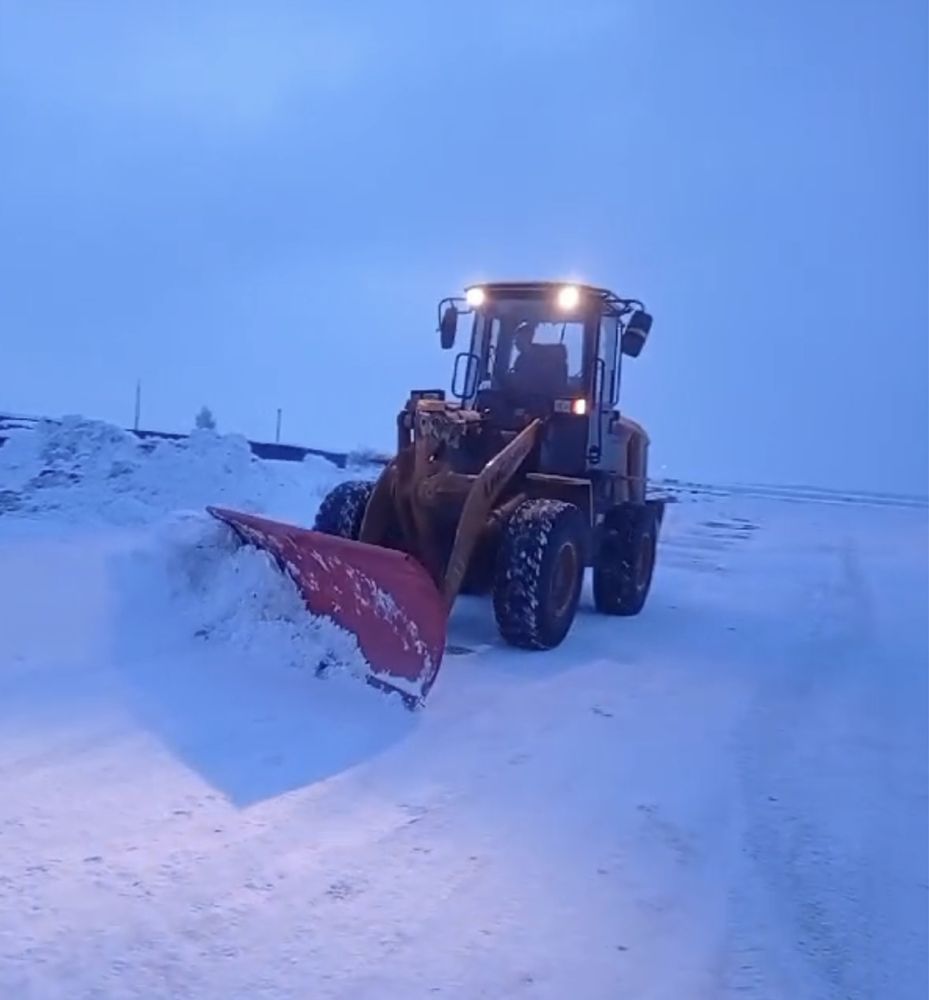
<point>193,581</point>
<point>81,470</point>
<point>186,578</point>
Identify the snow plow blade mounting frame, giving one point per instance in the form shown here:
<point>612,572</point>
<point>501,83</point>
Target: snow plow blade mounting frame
<point>382,597</point>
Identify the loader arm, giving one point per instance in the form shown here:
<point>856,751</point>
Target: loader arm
<point>381,507</point>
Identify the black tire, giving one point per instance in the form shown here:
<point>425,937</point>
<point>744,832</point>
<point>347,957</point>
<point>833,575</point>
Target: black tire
<point>625,563</point>
<point>343,508</point>
<point>539,573</point>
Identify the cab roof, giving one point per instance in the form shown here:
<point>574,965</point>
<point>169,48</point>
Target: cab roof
<point>537,289</point>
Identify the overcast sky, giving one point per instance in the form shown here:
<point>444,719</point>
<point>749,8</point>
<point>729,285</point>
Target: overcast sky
<point>253,205</point>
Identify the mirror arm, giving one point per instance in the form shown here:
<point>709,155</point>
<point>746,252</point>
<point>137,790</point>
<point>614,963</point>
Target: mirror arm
<point>460,303</point>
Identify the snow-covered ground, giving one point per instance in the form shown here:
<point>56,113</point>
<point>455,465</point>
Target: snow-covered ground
<point>724,797</point>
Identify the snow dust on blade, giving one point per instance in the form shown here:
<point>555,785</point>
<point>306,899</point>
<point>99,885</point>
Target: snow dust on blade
<point>382,597</point>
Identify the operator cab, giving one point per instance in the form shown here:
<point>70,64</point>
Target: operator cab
<point>543,349</point>
<point>531,359</point>
<point>530,345</point>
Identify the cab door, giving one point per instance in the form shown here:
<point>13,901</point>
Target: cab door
<point>603,453</point>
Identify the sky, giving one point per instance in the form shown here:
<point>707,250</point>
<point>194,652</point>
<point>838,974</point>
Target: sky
<point>258,205</point>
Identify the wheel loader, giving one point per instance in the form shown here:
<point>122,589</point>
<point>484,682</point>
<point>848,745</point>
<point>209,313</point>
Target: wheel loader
<point>526,477</point>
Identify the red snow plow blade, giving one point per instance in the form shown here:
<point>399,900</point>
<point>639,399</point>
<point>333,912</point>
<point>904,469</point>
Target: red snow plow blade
<point>384,598</point>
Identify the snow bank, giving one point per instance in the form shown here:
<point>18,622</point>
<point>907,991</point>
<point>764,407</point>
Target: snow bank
<point>183,578</point>
<point>192,581</point>
<point>85,470</point>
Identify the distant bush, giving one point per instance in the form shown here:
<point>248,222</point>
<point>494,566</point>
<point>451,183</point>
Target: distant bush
<point>205,419</point>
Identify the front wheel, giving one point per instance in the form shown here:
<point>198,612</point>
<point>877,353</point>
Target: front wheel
<point>539,572</point>
<point>343,508</point>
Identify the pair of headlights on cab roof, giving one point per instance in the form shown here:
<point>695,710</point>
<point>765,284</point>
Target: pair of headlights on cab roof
<point>568,296</point>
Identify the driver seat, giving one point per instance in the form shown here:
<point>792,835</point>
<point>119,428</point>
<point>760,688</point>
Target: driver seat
<point>541,369</point>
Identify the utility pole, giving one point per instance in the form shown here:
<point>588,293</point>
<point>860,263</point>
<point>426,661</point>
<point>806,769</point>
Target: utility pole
<point>138,403</point>
<point>277,433</point>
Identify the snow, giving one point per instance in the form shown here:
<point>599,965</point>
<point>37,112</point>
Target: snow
<point>83,470</point>
<point>725,796</point>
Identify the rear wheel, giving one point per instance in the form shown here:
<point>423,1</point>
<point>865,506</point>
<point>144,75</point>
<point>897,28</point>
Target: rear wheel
<point>343,508</point>
<point>625,563</point>
<point>539,572</point>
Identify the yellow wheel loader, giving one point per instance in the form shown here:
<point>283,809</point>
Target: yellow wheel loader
<point>526,477</point>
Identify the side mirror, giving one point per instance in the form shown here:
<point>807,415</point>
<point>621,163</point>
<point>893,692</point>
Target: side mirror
<point>636,333</point>
<point>448,327</point>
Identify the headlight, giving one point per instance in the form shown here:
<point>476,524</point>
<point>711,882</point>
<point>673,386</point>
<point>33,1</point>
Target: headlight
<point>474,297</point>
<point>568,297</point>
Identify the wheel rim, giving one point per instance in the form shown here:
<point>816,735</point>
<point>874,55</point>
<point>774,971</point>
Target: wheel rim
<point>564,576</point>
